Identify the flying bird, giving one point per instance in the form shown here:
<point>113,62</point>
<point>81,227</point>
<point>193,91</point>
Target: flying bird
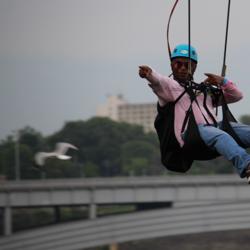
<point>59,152</point>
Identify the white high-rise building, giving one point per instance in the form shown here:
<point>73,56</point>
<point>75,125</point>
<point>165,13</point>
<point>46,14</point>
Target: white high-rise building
<point>110,108</point>
<point>119,110</point>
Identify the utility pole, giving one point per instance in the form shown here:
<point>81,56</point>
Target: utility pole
<point>17,156</point>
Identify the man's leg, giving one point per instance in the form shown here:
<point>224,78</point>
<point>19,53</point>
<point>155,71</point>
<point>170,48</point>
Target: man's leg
<point>242,131</point>
<point>225,145</point>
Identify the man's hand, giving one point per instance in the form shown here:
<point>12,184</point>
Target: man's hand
<point>214,79</point>
<point>144,71</point>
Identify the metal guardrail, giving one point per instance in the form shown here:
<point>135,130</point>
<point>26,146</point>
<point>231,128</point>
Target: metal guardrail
<point>137,226</point>
<point>119,182</point>
<point>122,190</point>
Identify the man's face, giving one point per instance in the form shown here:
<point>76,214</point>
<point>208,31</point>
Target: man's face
<point>180,70</point>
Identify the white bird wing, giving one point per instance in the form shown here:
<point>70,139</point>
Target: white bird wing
<point>41,157</point>
<point>62,148</point>
<point>63,157</point>
<point>60,151</point>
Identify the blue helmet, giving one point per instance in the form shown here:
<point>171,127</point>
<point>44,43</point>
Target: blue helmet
<point>182,50</point>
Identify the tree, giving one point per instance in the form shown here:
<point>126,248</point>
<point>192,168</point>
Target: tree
<point>31,138</point>
<point>55,168</point>
<point>137,155</point>
<point>99,141</point>
<point>136,166</point>
<point>245,119</point>
<point>28,142</point>
<point>89,169</point>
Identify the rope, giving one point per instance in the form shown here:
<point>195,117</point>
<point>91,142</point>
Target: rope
<point>169,20</point>
<point>223,72</point>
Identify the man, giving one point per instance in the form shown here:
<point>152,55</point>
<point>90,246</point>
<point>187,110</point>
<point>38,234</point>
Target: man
<point>168,90</point>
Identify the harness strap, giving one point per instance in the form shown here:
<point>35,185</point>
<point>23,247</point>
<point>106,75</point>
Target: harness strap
<point>180,96</point>
<point>207,109</point>
<point>201,112</point>
<point>191,90</point>
<point>193,98</point>
<point>204,89</point>
<point>184,124</point>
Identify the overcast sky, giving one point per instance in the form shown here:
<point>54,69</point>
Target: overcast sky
<point>59,59</point>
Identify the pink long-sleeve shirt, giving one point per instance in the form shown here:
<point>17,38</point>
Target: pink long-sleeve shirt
<point>167,90</point>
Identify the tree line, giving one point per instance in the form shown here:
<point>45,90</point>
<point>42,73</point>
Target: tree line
<point>106,148</point>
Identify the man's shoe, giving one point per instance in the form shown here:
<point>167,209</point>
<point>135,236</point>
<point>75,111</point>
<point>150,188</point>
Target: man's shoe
<point>248,173</point>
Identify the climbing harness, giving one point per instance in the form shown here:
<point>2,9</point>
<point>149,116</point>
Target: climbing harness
<point>177,158</point>
<point>173,156</point>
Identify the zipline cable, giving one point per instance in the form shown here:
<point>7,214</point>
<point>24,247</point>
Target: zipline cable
<point>224,66</point>
<point>189,38</point>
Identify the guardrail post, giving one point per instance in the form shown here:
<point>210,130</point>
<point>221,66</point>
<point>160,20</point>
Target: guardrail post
<point>92,211</point>
<point>7,214</point>
<point>92,204</point>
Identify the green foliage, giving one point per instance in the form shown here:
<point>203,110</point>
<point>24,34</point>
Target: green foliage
<point>26,218</point>
<point>106,148</point>
<point>100,142</point>
<point>245,119</point>
<point>216,166</point>
<point>30,217</point>
<point>90,170</point>
<point>137,157</point>
<point>60,169</point>
<point>7,159</point>
<point>136,166</point>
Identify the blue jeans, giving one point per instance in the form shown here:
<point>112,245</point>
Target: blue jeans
<point>225,145</point>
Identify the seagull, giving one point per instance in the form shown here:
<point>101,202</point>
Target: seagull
<point>59,153</point>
